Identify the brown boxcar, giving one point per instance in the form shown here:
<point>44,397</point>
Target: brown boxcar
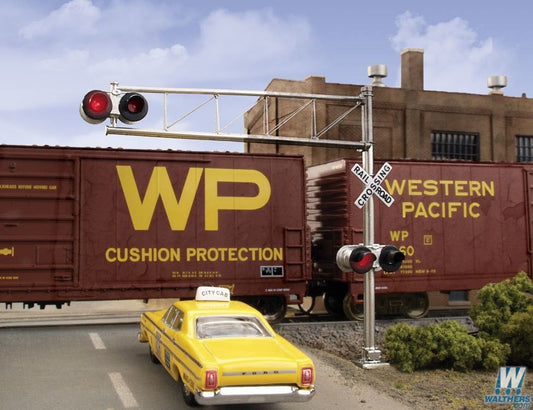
<point>460,225</point>
<point>97,224</point>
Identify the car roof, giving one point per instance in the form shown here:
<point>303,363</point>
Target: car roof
<point>233,307</point>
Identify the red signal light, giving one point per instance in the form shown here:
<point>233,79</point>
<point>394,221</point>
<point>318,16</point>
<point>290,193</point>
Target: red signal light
<point>96,106</point>
<point>358,259</point>
<point>362,259</point>
<point>132,107</point>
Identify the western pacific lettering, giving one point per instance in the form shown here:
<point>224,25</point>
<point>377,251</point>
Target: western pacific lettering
<point>451,197</point>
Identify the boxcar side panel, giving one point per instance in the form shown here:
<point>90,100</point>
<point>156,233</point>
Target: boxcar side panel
<point>461,225</point>
<point>179,223</point>
<point>83,224</point>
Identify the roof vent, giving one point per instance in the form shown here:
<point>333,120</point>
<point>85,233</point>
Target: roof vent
<point>377,73</point>
<point>496,83</point>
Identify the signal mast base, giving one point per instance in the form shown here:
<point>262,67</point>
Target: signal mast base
<point>371,359</point>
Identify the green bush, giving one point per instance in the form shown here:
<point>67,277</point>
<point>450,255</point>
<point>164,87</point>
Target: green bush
<point>500,301</point>
<point>456,349</point>
<point>505,313</point>
<point>444,345</point>
<point>504,317</point>
<point>400,343</point>
<point>518,333</point>
<point>493,353</point>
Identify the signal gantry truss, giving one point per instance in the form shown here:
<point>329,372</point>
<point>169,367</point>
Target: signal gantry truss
<point>269,135</point>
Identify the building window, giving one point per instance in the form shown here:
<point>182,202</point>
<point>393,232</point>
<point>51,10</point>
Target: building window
<point>454,145</point>
<point>524,148</point>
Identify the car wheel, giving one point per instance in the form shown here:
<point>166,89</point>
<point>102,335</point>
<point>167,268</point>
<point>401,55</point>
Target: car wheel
<point>273,308</point>
<point>153,357</point>
<point>353,311</point>
<point>416,305</point>
<point>307,307</point>
<point>333,301</point>
<point>188,396</point>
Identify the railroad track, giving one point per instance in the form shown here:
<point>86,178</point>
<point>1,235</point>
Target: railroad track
<point>381,323</point>
<point>345,338</point>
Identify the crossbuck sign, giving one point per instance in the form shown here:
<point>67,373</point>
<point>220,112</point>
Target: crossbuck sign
<point>373,185</point>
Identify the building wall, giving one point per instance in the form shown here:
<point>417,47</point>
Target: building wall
<point>403,117</point>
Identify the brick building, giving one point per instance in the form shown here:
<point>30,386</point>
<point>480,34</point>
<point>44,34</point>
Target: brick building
<point>409,122</point>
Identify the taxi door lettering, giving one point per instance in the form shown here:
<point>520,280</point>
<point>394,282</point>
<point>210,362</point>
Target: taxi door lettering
<point>141,210</point>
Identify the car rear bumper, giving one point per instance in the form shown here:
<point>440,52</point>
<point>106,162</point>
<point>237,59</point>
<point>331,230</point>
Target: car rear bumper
<point>254,394</point>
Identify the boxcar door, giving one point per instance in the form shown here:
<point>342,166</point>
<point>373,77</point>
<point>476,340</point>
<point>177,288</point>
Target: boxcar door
<point>37,223</point>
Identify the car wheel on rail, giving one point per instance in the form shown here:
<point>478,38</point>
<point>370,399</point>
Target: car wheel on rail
<point>188,396</point>
<point>416,305</point>
<point>308,305</point>
<point>353,311</point>
<point>153,357</point>
<point>273,308</point>
<point>333,302</point>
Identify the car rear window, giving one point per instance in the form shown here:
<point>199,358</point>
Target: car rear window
<point>213,327</point>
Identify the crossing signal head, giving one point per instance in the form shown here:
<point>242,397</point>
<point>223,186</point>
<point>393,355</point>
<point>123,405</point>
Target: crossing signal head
<point>390,258</point>
<point>359,259</point>
<point>96,106</point>
<point>132,107</point>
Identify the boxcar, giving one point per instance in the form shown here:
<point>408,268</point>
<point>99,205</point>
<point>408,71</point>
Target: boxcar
<point>97,224</point>
<point>460,225</point>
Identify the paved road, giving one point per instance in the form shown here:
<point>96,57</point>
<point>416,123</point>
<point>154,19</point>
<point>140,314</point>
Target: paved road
<point>105,367</point>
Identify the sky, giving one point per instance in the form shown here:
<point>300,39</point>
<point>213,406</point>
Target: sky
<point>53,52</point>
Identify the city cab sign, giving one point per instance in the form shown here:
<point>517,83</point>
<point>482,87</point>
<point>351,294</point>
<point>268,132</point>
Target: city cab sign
<point>212,294</point>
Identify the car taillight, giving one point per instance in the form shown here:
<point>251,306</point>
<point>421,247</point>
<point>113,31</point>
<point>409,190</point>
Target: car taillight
<point>211,379</point>
<point>307,376</point>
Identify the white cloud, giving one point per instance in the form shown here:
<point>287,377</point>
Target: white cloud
<point>455,59</point>
<point>253,40</point>
<point>51,58</point>
<point>126,24</point>
<point>78,16</point>
<point>88,46</point>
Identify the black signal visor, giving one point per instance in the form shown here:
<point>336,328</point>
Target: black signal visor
<point>132,107</point>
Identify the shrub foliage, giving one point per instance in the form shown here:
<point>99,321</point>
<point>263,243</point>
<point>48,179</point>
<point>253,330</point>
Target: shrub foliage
<point>504,318</point>
<point>505,313</point>
<point>499,302</point>
<point>443,345</point>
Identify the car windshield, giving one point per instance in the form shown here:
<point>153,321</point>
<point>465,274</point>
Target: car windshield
<point>212,327</point>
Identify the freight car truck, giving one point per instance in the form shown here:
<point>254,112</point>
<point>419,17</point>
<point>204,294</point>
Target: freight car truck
<point>99,224</point>
<point>460,226</point>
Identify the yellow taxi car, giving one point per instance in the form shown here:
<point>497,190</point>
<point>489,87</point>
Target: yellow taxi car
<point>225,352</point>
